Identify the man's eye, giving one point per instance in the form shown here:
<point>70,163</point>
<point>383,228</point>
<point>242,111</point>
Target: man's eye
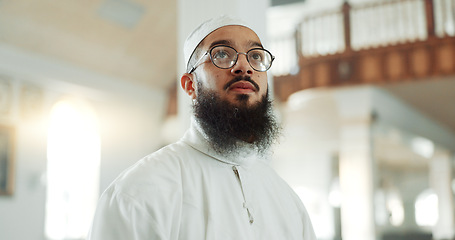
<point>221,54</point>
<point>256,56</point>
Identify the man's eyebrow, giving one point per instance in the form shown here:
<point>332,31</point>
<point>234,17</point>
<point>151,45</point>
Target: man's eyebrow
<point>220,42</point>
<point>255,44</point>
<point>229,43</point>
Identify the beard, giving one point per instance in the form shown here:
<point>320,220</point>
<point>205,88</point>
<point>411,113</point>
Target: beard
<point>229,126</point>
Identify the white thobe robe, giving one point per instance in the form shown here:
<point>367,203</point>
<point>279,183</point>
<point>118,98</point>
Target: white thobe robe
<point>186,191</point>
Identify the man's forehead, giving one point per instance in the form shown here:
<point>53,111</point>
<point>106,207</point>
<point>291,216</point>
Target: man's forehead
<point>232,36</point>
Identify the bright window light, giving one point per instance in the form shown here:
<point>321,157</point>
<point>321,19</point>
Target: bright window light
<point>426,208</point>
<point>422,146</point>
<point>73,152</point>
<point>335,197</point>
<point>319,211</point>
<point>395,208</point>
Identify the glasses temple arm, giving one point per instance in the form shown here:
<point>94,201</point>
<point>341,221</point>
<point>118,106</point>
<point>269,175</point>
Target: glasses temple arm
<point>197,62</point>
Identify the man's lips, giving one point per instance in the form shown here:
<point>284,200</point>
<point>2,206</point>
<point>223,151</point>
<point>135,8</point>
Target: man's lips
<point>242,86</point>
<point>245,84</point>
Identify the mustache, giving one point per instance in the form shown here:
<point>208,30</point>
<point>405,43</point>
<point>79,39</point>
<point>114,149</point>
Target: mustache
<point>241,78</point>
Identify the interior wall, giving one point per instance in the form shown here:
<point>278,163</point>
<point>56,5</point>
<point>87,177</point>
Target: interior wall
<point>129,118</point>
<point>307,154</point>
<point>409,183</point>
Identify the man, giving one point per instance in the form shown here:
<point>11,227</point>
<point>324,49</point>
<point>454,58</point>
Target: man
<point>215,182</point>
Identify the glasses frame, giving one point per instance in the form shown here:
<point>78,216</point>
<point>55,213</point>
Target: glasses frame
<point>236,58</point>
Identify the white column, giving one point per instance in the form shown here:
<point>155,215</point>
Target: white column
<point>191,13</point>
<point>357,179</point>
<point>440,182</point>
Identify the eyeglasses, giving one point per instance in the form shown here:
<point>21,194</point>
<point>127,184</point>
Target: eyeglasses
<point>225,57</point>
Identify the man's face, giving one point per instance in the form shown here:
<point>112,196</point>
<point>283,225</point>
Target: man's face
<point>222,81</point>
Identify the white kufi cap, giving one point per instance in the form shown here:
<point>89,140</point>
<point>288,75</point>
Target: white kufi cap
<point>207,27</point>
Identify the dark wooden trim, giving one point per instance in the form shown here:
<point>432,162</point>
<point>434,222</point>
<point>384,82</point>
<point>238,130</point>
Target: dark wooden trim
<point>416,60</point>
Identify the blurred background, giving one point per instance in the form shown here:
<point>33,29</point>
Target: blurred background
<point>365,90</point>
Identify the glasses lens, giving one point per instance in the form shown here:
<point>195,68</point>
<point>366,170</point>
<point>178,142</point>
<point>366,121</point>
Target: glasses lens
<point>260,59</point>
<point>223,57</point>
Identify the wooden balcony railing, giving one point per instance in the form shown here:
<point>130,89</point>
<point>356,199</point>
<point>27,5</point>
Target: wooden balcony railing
<point>392,41</point>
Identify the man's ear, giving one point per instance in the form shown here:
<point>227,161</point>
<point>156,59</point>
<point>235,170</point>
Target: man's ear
<point>188,83</point>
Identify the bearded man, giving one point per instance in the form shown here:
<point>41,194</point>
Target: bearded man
<point>215,183</point>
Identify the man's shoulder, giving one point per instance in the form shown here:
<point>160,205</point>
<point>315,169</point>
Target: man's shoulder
<point>173,151</point>
<point>156,172</point>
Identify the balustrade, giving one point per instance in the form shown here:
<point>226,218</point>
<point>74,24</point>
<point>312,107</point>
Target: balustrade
<point>388,41</point>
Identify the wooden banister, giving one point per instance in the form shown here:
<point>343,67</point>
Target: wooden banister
<point>347,25</point>
<point>414,58</point>
<point>429,13</point>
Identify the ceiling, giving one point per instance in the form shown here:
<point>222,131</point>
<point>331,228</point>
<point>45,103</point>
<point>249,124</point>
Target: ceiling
<point>131,40</point>
<point>136,40</point>
<point>433,98</point>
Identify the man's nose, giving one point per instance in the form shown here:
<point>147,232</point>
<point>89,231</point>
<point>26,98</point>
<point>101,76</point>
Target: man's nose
<point>242,66</point>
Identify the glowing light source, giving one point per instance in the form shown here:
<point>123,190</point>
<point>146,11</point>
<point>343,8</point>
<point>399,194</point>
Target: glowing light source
<point>395,208</point>
<point>426,208</point>
<point>335,197</point>
<point>73,170</point>
<point>422,146</point>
